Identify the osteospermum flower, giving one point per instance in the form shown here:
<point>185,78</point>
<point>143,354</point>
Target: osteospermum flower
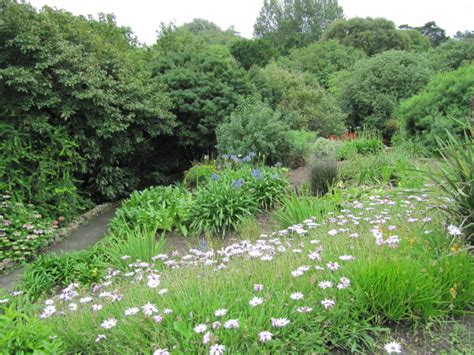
<point>85,300</point>
<point>206,338</point>
<point>258,287</point>
<point>132,311</point>
<point>232,324</point>
<point>109,323</point>
<point>216,325</point>
<point>72,306</point>
<point>100,337</point>
<point>200,328</point>
<point>328,303</point>
<point>333,266</point>
<point>217,349</point>
<point>304,309</point>
<point>149,309</point>
<point>280,322</point>
<point>296,296</point>
<point>325,284</point>
<point>96,307</point>
<point>393,347</point>
<point>256,301</point>
<point>220,312</point>
<point>161,352</point>
<point>454,231</point>
<point>265,336</point>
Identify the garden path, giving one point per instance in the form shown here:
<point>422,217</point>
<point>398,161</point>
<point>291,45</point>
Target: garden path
<point>81,238</point>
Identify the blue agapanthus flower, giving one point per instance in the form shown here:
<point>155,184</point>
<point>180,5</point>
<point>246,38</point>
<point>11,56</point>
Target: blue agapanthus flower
<point>238,183</point>
<point>247,159</point>
<point>214,177</point>
<point>256,173</point>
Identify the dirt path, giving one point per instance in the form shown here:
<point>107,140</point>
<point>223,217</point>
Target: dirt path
<point>81,238</point>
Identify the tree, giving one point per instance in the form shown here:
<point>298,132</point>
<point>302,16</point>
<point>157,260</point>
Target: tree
<point>452,54</point>
<point>298,96</point>
<point>430,30</point>
<point>249,52</point>
<point>210,32</point>
<point>373,36</point>
<point>464,35</point>
<point>295,23</point>
<point>204,82</point>
<point>322,59</point>
<point>371,91</point>
<point>439,107</point>
<point>82,79</point>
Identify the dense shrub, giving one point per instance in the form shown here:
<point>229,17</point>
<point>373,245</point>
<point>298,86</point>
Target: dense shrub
<point>253,127</point>
<point>322,174</point>
<point>361,145</point>
<point>23,231</point>
<point>325,149</point>
<point>204,82</point>
<point>374,36</point>
<point>322,59</point>
<point>249,52</point>
<point>162,208</point>
<point>372,90</point>
<point>199,174</point>
<point>439,107</point>
<point>79,83</point>
<point>299,147</point>
<point>452,54</point>
<point>303,103</point>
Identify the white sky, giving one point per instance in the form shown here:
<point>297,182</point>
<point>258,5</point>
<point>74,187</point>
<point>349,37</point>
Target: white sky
<point>145,16</point>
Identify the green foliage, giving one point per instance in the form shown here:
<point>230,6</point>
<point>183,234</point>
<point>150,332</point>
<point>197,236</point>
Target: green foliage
<point>322,59</point>
<point>50,271</point>
<point>371,35</point>
<point>21,333</point>
<point>288,24</point>
<point>83,80</point>
<point>226,201</point>
<point>361,145</point>
<point>456,181</point>
<point>249,52</point>
<point>322,175</point>
<point>303,103</point>
<point>295,209</point>
<point>452,54</point>
<point>204,82</point>
<point>439,108</point>
<point>300,143</point>
<point>23,230</point>
<point>372,90</point>
<point>253,127</point>
<point>325,149</point>
<point>198,174</point>
<point>41,173</point>
<point>435,34</point>
<point>210,32</point>
<point>162,208</point>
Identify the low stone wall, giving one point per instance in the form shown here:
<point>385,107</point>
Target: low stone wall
<point>62,233</point>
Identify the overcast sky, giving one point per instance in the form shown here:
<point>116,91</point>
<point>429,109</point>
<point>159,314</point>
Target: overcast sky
<point>145,16</point>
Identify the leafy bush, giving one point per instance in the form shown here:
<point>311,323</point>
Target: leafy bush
<point>21,333</point>
<point>372,90</point>
<point>163,208</point>
<point>66,78</point>
<point>253,127</point>
<point>295,209</point>
<point>439,108</point>
<point>322,59</point>
<point>299,146</point>
<point>322,174</point>
<point>23,230</point>
<point>303,103</point>
<point>325,149</point>
<point>199,174</point>
<point>249,52</point>
<point>452,54</point>
<point>362,146</point>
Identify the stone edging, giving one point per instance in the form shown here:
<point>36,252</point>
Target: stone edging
<point>61,233</point>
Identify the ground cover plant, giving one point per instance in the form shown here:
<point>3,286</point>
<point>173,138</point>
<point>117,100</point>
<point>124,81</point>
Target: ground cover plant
<point>384,257</point>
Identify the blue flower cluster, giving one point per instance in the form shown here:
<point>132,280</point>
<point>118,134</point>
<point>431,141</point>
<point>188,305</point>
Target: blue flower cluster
<point>235,158</point>
<point>238,183</point>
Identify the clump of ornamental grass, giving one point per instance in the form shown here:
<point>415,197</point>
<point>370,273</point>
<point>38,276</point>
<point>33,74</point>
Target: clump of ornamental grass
<point>322,174</point>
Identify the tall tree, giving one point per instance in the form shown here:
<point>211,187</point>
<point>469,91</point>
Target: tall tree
<point>431,30</point>
<point>295,23</point>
